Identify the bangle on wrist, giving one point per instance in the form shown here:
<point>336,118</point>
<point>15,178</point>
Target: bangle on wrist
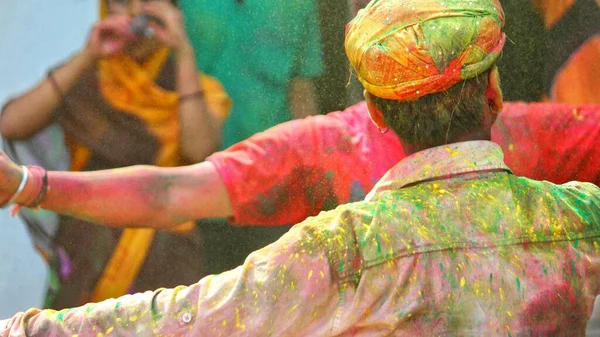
<point>42,192</point>
<point>52,81</point>
<point>21,187</point>
<point>193,95</point>
<point>34,195</point>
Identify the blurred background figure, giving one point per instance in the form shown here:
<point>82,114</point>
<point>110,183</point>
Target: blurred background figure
<point>572,43</point>
<point>267,54</point>
<point>125,98</point>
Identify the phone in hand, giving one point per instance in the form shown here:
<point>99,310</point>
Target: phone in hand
<point>140,26</point>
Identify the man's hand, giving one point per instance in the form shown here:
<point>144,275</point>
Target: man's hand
<point>108,37</point>
<point>171,32</point>
<point>10,178</point>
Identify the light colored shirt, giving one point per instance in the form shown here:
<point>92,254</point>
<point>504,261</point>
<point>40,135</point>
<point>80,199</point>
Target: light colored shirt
<point>449,242</point>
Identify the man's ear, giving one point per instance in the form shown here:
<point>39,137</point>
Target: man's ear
<point>494,93</point>
<point>374,112</point>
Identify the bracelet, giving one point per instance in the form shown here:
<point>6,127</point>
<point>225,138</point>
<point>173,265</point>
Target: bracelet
<point>24,179</point>
<point>52,81</point>
<point>194,95</point>
<point>43,191</point>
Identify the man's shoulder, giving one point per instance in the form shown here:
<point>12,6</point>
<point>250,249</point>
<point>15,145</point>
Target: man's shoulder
<point>335,232</point>
<point>579,198</point>
<point>571,189</point>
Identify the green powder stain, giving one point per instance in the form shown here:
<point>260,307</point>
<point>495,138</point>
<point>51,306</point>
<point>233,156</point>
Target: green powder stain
<point>518,284</point>
<point>544,269</point>
<point>61,316</point>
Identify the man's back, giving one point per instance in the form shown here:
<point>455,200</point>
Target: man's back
<point>482,252</point>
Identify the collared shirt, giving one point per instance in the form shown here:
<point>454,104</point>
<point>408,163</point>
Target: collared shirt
<point>448,243</point>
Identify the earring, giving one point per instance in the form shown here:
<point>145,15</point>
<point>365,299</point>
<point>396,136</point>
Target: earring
<point>383,132</point>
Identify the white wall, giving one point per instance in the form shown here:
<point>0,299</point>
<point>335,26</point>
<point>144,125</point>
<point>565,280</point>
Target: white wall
<point>34,35</point>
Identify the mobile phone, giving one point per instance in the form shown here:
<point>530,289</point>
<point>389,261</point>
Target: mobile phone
<point>140,26</point>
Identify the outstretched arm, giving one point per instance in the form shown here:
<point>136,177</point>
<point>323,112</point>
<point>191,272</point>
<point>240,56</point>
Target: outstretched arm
<point>138,196</point>
<point>285,288</point>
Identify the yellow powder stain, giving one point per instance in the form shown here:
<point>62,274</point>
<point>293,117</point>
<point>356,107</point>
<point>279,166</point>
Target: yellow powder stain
<point>238,323</point>
<point>462,282</point>
<point>109,330</point>
<point>509,314</point>
<point>322,274</point>
<point>224,323</point>
<point>310,274</point>
<point>133,318</point>
<point>501,294</point>
<point>511,147</point>
<point>292,309</point>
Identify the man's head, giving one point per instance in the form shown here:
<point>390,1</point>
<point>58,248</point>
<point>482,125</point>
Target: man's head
<point>428,67</point>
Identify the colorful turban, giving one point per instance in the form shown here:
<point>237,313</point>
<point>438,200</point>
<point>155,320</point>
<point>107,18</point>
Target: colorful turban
<point>406,49</point>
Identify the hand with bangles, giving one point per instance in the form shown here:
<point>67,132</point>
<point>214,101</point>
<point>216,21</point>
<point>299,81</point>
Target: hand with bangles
<point>31,184</point>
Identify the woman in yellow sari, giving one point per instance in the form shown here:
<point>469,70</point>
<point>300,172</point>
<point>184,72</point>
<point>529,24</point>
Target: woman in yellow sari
<point>129,97</point>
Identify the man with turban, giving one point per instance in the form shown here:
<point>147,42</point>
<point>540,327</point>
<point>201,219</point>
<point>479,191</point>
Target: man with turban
<point>448,242</point>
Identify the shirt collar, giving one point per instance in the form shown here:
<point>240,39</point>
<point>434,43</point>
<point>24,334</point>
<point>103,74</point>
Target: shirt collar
<point>442,161</point>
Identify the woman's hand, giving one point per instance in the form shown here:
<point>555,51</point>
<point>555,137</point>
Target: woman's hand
<point>172,31</point>
<point>10,178</point>
<point>108,37</point>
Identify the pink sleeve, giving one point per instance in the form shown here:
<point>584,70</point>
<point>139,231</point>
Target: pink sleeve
<point>299,168</point>
<point>549,141</point>
<point>275,177</point>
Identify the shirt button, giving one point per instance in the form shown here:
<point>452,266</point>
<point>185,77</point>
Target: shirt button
<point>186,317</point>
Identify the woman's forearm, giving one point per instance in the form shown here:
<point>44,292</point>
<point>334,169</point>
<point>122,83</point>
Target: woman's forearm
<point>200,132</point>
<point>29,113</point>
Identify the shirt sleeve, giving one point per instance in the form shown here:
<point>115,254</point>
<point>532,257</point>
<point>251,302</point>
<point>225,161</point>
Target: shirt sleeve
<point>285,288</point>
<point>549,141</point>
<point>309,59</point>
<point>292,171</point>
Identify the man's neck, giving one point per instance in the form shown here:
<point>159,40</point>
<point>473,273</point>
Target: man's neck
<point>475,135</point>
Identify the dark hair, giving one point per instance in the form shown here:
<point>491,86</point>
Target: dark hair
<point>439,118</point>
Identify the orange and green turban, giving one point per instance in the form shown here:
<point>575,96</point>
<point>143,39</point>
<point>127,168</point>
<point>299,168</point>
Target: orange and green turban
<point>406,49</point>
